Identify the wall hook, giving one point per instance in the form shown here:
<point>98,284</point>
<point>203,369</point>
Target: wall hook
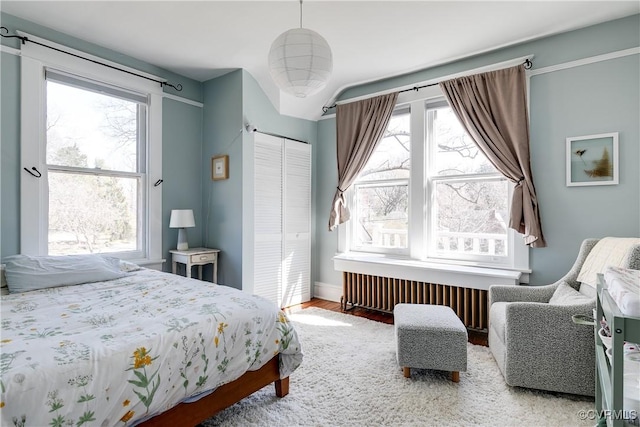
<point>158,182</point>
<point>34,169</point>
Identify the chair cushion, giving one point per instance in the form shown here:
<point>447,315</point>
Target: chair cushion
<point>498,316</point>
<point>566,295</point>
<point>588,291</point>
<point>609,251</point>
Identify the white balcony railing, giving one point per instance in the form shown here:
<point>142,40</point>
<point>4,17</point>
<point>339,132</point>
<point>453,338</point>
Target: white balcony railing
<point>389,238</point>
<point>472,243</point>
<point>446,241</point>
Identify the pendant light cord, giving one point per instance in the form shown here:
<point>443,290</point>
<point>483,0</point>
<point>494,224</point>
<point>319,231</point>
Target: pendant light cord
<point>300,13</point>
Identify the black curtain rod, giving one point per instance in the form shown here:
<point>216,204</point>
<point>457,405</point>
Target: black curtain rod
<point>24,39</point>
<point>527,65</point>
<point>252,129</point>
<point>281,136</point>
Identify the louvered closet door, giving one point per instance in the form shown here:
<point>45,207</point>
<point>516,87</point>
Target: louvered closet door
<point>268,217</point>
<point>297,223</point>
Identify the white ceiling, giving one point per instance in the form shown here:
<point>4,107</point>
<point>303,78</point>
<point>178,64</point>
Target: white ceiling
<point>370,40</point>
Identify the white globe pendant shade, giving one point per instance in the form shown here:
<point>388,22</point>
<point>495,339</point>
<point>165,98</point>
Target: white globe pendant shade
<point>300,62</point>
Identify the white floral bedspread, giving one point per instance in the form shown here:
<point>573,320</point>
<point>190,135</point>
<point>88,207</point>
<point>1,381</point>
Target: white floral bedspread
<point>117,352</point>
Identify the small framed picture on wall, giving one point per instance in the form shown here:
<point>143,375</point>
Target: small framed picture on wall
<point>219,167</point>
<point>592,160</point>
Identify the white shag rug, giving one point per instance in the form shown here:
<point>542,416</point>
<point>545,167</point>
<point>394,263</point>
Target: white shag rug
<point>350,377</point>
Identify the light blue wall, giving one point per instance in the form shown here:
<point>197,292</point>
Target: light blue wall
<point>181,173</point>
<point>9,154</point>
<point>597,98</point>
<point>182,139</point>
<point>327,175</point>
<point>596,40</point>
<point>222,200</point>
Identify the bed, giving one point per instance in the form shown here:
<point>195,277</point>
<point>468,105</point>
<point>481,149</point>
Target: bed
<point>145,348</point>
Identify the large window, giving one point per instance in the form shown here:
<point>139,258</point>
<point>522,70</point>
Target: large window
<point>92,136</point>
<point>429,193</point>
<point>96,163</point>
<point>381,220</point>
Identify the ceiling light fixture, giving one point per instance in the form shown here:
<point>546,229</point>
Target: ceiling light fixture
<point>300,61</point>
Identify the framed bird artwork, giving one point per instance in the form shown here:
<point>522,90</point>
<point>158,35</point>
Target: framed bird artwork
<point>592,160</point>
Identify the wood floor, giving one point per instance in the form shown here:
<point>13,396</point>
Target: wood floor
<point>475,337</point>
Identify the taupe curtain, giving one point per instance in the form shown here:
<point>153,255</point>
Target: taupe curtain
<point>360,126</point>
<point>493,109</point>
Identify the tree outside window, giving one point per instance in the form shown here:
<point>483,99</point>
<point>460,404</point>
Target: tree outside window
<point>93,170</point>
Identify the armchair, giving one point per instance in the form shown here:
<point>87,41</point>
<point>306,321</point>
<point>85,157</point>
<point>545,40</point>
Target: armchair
<point>535,343</point>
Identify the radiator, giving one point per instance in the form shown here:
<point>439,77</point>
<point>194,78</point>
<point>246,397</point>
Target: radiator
<point>383,293</point>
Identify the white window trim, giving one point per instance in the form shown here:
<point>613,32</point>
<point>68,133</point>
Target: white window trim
<point>417,266</point>
<point>427,272</point>
<point>33,191</point>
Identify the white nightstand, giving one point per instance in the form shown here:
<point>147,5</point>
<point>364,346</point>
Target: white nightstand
<point>195,256</point>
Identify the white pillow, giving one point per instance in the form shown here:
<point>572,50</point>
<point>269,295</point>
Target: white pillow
<point>28,273</point>
<point>609,251</point>
<point>4,290</point>
<point>128,267</point>
<point>566,295</point>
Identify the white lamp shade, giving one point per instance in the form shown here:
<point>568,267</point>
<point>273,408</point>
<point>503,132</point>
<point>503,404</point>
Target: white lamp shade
<point>182,218</point>
<point>300,62</point>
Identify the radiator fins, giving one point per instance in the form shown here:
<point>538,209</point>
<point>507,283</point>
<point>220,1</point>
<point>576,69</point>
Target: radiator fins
<point>383,293</point>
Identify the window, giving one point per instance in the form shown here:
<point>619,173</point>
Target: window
<point>468,213</point>
<point>95,135</point>
<point>381,220</point>
<point>96,164</point>
<point>428,193</point>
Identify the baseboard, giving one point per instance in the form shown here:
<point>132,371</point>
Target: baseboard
<point>327,291</point>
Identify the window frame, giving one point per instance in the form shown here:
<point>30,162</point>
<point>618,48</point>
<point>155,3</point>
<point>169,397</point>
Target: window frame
<point>420,192</point>
<point>432,179</point>
<point>371,184</point>
<point>141,159</point>
<point>35,60</point>
<point>351,198</point>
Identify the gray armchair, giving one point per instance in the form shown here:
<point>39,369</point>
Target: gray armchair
<point>536,344</point>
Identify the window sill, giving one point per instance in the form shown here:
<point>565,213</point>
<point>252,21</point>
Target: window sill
<point>428,272</point>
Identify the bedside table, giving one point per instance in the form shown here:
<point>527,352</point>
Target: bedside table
<point>195,256</point>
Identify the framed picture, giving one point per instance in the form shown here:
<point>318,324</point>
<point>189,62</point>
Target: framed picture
<point>219,167</point>
<point>592,160</point>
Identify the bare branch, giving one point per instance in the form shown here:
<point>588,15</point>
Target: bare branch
<point>459,193</point>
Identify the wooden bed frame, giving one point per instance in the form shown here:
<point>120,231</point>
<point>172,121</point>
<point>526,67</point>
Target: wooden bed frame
<point>191,414</point>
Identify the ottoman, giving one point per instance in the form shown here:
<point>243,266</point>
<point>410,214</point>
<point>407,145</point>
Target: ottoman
<point>430,337</point>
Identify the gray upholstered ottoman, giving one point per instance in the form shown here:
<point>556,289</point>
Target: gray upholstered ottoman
<point>430,337</point>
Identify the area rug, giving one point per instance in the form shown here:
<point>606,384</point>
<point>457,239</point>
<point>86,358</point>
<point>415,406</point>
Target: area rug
<point>350,377</point>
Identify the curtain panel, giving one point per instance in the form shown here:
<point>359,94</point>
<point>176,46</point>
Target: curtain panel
<point>360,127</point>
<point>492,107</point>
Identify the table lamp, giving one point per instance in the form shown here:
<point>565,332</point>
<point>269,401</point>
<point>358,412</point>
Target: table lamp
<point>180,219</point>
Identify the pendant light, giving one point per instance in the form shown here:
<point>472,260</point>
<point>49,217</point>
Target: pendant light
<point>300,61</point>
